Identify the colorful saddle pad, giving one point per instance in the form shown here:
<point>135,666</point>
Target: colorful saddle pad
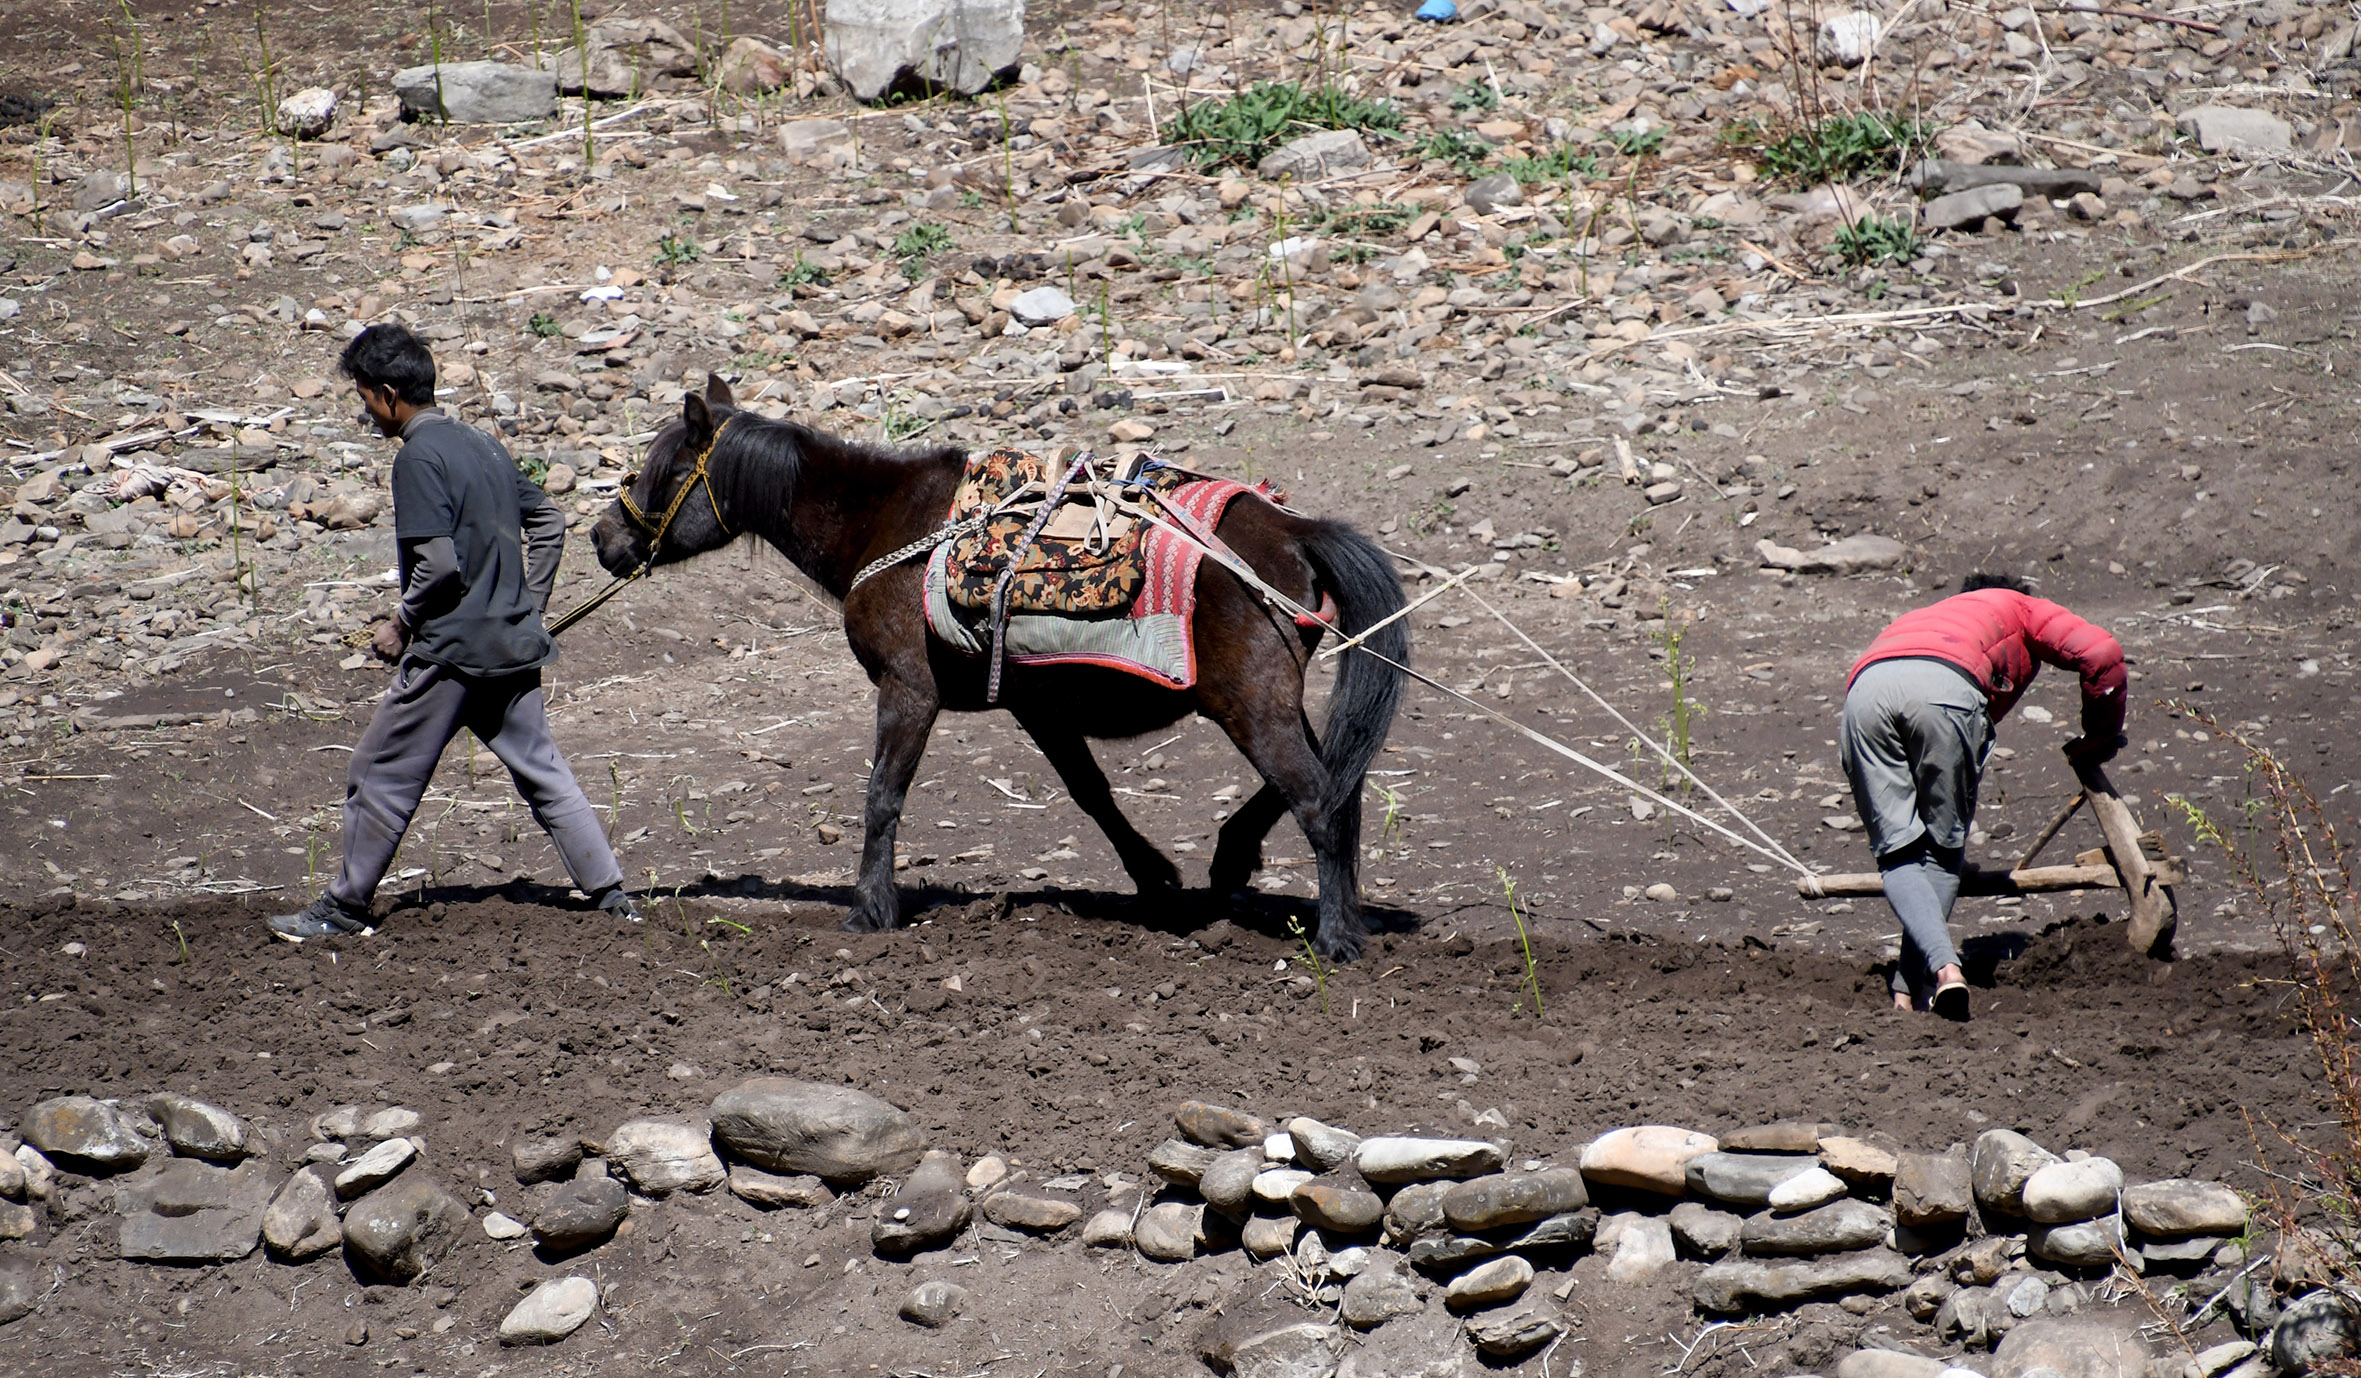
<point>1081,556</point>
<point>1149,635</point>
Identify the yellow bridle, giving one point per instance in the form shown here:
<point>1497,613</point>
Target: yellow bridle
<point>698,473</point>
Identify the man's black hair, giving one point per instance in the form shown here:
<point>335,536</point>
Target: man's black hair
<point>1986,580</point>
<point>390,357</point>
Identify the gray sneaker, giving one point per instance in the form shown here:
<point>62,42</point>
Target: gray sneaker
<point>617,901</point>
<point>322,918</point>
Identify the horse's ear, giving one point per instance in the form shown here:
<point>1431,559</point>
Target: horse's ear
<point>698,417</point>
<point>718,392</point>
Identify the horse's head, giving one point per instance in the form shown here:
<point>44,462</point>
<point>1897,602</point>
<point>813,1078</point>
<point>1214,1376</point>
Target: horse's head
<point>669,510</point>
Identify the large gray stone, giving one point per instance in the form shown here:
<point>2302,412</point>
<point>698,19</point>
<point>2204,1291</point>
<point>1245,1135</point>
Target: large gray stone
<point>20,1289</point>
<point>1380,1293</point>
<point>2000,1164</point>
<point>87,1134</point>
<point>928,1212</point>
<point>300,1222</point>
<point>2313,1330</point>
<point>1338,1205</point>
<point>1503,1279</point>
<point>1396,1160</point>
<point>1746,1284</point>
<point>933,1304</point>
<point>550,1312</point>
<point>831,1132</point>
<point>1488,194</point>
<point>1270,1342</point>
<point>1446,1253</point>
<point>1702,1231</point>
<point>374,1168</point>
<point>546,1160</point>
<point>1643,1248</point>
<point>1965,210</point>
<point>660,1157</point>
<point>2072,1190</point>
<point>189,1211</point>
<point>477,92</point>
<point>1425,1344</point>
<point>818,143</point>
<point>1503,1199</point>
<point>1228,1183</point>
<point>401,1229</point>
<point>2083,1244</point>
<point>2234,129</point>
<point>1035,1212</point>
<point>1513,1334</point>
<point>1887,1363</point>
<point>1852,555</point>
<point>1838,1227</point>
<point>2178,1206</point>
<point>1328,153</point>
<point>626,58</point>
<point>1931,1189</point>
<point>1744,1179</point>
<point>1168,1233</point>
<point>198,1130</point>
<point>1180,1163</point>
<point>2095,1346</point>
<point>1041,306</point>
<point>582,1213</point>
<point>1219,1126</point>
<point>878,47</point>
<point>1416,1213</point>
<point>1647,1157</point>
<point>1320,1147</point>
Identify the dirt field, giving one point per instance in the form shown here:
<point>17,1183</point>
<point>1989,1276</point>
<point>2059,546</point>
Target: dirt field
<point>2179,473</point>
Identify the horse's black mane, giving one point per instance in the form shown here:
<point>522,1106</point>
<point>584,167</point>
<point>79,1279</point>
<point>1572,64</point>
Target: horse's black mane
<point>760,461</point>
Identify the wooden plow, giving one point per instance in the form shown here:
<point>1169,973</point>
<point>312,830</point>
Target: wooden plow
<point>2132,861</point>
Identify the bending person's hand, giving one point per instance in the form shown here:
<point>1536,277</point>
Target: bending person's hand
<point>2090,751</point>
<point>388,640</point>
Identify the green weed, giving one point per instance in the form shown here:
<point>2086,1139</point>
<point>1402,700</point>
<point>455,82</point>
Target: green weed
<point>1476,97</point>
<point>544,325</point>
<point>1370,221</point>
<point>1681,716</point>
<point>1879,239</point>
<point>922,241</point>
<point>1837,149</point>
<point>1246,126</point>
<point>1638,143</point>
<point>1462,150</point>
<point>674,251</point>
<point>801,273</point>
<point>1310,958</point>
<point>1508,890</point>
<point>1557,165</point>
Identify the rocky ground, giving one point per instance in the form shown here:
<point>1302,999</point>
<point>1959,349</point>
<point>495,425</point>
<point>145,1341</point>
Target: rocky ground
<point>1573,310</point>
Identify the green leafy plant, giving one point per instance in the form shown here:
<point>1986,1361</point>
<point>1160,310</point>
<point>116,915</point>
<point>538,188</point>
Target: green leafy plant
<point>1244,127</point>
<point>1310,959</point>
<point>1680,717</point>
<point>1879,239</point>
<point>1839,148</point>
<point>1383,218</point>
<point>1457,147</point>
<point>1557,165</point>
<point>1476,97</point>
<point>1389,830</point>
<point>1637,143</point>
<point>1508,891</point>
<point>802,273</point>
<point>545,325</point>
<point>674,251</point>
<point>922,241</point>
<point>185,960</point>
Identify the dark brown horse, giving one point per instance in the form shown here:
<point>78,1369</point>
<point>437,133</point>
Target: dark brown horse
<point>832,506</point>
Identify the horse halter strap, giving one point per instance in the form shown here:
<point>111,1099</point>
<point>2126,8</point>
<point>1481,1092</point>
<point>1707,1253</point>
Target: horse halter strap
<point>698,474</point>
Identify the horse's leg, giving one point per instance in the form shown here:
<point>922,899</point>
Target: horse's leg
<point>1271,735</point>
<point>905,714</point>
<point>1069,755</point>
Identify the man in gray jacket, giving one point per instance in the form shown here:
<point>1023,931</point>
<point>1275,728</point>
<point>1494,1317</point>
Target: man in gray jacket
<point>479,546</point>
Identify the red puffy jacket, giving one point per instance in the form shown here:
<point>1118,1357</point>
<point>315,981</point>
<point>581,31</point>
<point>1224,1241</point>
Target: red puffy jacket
<point>1997,636</point>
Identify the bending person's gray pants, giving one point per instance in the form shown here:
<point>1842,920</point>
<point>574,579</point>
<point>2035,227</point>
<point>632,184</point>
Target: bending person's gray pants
<point>423,709</point>
<point>1915,736</point>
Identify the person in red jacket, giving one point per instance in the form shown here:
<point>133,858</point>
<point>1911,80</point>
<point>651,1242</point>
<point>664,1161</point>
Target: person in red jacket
<point>1918,716</point>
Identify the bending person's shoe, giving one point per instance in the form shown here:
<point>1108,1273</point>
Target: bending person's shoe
<point>1951,1001</point>
<point>322,918</point>
<point>617,901</point>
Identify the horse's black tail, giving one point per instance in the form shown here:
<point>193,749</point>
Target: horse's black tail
<point>1360,576</point>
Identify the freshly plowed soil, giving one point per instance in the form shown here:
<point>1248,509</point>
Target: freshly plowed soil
<point>1073,1032</point>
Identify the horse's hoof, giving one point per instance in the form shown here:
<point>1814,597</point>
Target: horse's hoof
<point>862,921</point>
<point>1231,879</point>
<point>1339,951</point>
<point>1158,881</point>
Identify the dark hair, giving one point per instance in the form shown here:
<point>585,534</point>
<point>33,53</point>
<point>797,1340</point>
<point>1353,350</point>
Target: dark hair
<point>390,357</point>
<point>1986,580</point>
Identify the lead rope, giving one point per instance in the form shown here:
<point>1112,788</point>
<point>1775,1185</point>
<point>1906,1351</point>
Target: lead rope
<point>1016,556</point>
